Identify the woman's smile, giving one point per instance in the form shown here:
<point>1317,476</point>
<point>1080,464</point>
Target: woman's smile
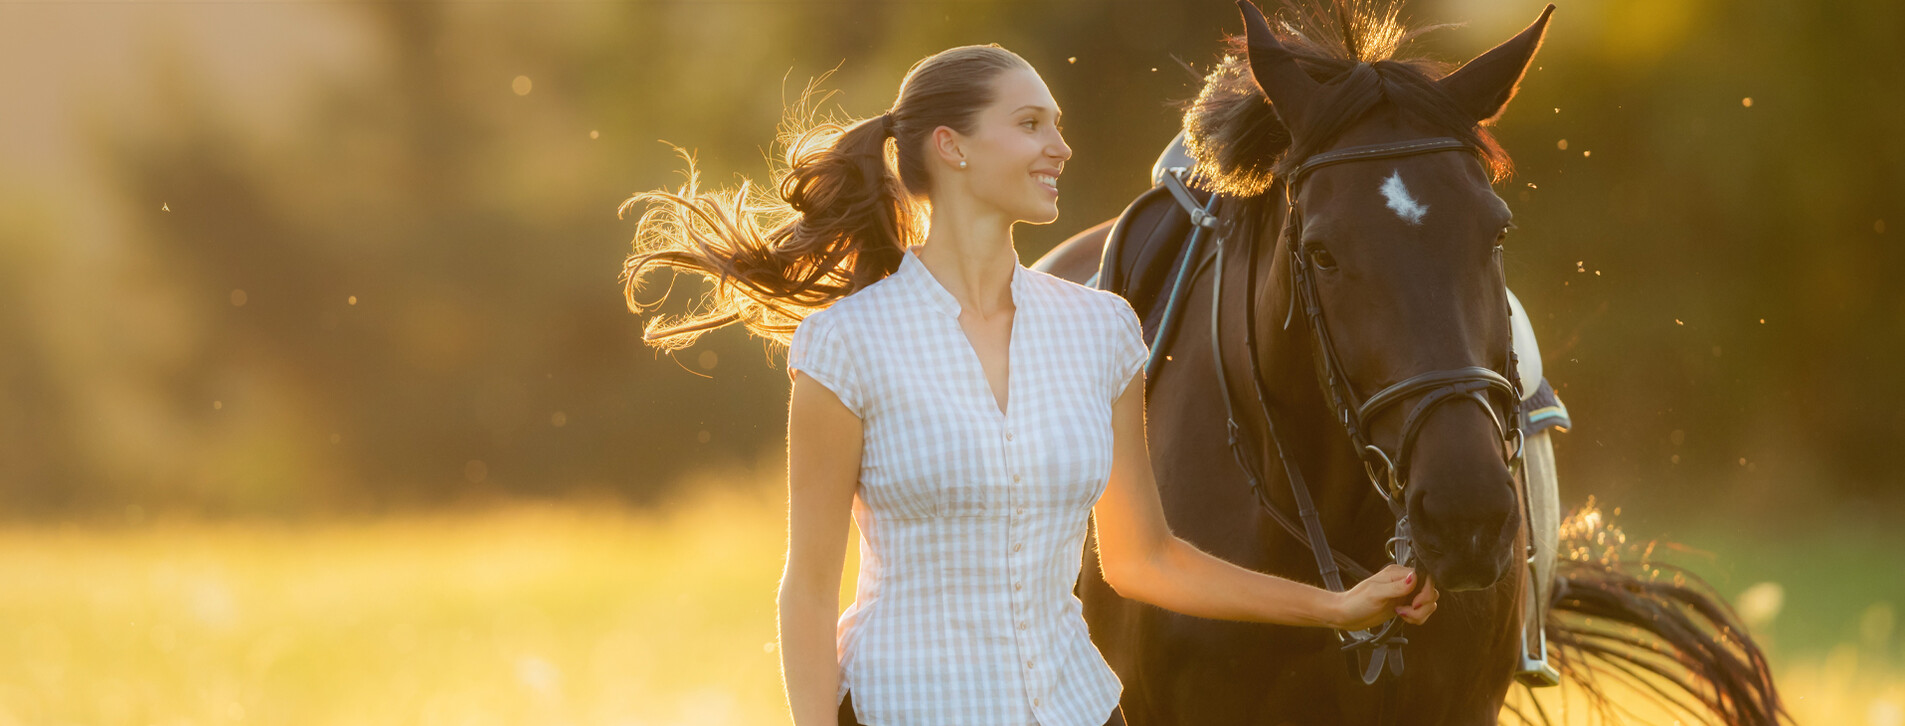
<point>1048,180</point>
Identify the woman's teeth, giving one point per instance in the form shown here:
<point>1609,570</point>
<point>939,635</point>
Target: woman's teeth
<point>1048,180</point>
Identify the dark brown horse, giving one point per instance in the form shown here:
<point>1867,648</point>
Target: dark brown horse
<point>1404,256</point>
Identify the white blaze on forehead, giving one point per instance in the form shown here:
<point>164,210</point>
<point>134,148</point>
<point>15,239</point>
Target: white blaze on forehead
<point>1397,197</point>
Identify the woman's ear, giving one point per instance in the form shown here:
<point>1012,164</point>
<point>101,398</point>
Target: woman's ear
<point>947,145</point>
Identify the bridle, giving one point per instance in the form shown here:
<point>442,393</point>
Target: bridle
<point>1388,473</point>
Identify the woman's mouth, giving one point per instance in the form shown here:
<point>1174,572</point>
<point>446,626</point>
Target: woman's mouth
<point>1048,181</point>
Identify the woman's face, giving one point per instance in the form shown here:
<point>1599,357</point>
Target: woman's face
<point>1015,154</point>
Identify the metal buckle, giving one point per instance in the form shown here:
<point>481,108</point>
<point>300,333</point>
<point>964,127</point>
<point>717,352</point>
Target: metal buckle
<point>1174,182</point>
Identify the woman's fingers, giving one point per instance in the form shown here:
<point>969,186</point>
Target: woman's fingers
<point>1418,610</point>
<point>1394,585</point>
<point>1402,588</point>
<point>1427,595</point>
<point>1396,581</point>
<point>1416,615</point>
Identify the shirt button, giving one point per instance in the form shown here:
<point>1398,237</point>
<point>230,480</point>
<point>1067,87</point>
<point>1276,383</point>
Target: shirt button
<point>1028,664</point>
<point>1008,436</point>
<point>1035,701</point>
<point>1021,625</point>
<point>1018,585</point>
<point>1015,477</point>
<point>1017,545</point>
<point>1021,510</point>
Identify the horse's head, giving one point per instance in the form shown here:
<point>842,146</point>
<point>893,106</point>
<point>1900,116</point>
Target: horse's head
<point>1399,251</point>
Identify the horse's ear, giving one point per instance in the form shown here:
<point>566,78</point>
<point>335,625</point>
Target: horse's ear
<point>1275,71</point>
<point>1483,85</point>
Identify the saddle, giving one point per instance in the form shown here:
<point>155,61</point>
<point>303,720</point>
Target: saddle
<point>1144,253</point>
<point>1144,259</point>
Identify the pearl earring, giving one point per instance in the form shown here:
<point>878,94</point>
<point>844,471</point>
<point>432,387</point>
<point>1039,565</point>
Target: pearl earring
<point>962,163</point>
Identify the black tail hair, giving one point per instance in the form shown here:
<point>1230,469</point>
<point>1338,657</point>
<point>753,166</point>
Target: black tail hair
<point>1674,638</point>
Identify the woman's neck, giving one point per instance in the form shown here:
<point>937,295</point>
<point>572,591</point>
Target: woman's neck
<point>971,255</point>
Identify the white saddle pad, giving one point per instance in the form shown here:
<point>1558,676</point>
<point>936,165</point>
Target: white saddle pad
<point>1542,414</point>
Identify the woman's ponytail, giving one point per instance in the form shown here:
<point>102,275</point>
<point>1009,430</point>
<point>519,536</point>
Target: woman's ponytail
<point>845,209</point>
<point>849,199</point>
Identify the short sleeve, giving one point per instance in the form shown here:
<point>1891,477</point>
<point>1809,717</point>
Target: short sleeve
<point>1129,352</point>
<point>819,347</point>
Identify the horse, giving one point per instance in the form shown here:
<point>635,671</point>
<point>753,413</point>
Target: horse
<point>1365,181</point>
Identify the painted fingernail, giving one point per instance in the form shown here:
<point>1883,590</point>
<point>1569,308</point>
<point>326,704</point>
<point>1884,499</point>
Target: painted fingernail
<point>1410,579</point>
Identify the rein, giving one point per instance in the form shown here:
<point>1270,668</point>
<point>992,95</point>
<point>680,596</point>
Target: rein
<point>1387,473</point>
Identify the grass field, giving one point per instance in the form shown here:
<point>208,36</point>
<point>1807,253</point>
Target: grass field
<point>580,614</point>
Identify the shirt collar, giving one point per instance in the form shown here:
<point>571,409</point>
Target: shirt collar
<point>919,279</point>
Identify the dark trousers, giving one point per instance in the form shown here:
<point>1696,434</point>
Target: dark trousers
<point>848,719</point>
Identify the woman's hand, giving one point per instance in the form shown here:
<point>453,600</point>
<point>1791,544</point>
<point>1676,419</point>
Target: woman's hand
<point>1385,595</point>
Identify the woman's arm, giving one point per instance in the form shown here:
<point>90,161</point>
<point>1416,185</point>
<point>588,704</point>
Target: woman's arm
<point>1143,561</point>
<point>823,469</point>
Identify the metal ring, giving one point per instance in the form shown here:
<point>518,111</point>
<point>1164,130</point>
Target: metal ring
<point>1394,485</point>
<point>1390,545</point>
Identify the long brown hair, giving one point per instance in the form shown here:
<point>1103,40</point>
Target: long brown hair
<point>841,217</point>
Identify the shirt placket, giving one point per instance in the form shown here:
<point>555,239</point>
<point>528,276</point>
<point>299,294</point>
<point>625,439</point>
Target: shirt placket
<point>1018,530</point>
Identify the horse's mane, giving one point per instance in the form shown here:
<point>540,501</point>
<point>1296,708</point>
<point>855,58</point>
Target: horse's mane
<point>1236,138</point>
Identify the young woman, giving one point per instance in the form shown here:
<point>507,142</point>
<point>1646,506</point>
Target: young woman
<point>971,414</point>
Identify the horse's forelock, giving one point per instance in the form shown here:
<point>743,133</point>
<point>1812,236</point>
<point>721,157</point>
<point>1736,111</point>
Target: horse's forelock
<point>1240,144</point>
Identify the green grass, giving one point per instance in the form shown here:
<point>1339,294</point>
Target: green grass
<point>587,614</point>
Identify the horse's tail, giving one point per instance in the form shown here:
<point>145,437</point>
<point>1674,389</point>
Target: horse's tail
<point>1671,639</point>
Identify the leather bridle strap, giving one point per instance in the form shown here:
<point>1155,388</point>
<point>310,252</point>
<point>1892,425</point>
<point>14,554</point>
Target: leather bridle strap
<point>1374,151</point>
<point>1335,561</point>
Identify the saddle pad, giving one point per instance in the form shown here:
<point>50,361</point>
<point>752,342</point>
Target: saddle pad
<point>1543,410</point>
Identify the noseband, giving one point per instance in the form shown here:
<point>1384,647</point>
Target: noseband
<point>1386,471</point>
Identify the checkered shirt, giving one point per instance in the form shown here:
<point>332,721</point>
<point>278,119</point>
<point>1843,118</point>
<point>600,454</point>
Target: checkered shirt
<point>972,521</point>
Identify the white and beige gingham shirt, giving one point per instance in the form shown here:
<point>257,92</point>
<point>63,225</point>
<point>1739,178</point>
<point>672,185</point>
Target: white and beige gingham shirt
<point>972,521</point>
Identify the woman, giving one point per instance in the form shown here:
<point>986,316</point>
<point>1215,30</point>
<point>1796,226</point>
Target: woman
<point>971,414</point>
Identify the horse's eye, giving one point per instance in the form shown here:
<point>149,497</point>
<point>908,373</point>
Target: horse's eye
<point>1322,258</point>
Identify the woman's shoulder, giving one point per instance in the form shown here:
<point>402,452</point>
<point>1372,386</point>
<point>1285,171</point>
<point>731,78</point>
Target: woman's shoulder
<point>855,308</point>
<point>1103,306</point>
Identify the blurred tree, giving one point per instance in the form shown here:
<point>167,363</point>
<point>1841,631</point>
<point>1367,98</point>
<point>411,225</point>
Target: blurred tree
<point>405,294</point>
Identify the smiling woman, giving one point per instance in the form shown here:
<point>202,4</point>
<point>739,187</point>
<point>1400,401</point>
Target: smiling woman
<point>845,206</point>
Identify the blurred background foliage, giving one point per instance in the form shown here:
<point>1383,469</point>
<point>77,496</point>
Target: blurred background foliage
<point>298,258</point>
